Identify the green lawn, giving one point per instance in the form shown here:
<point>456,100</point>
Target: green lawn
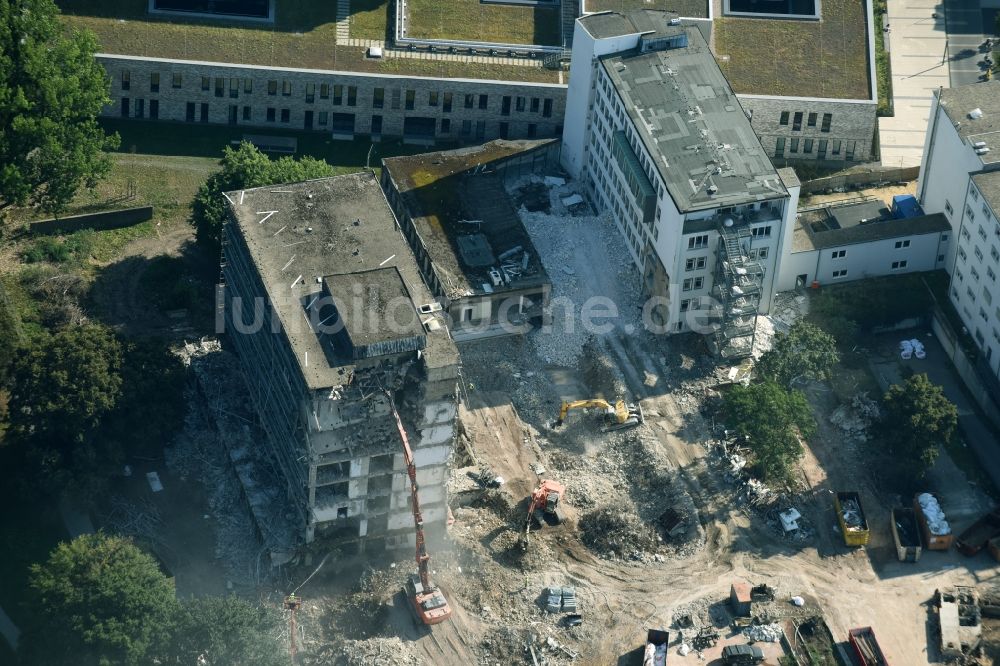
<point>686,8</point>
<point>168,183</point>
<point>478,21</point>
<point>825,58</point>
<point>369,19</point>
<point>883,67</point>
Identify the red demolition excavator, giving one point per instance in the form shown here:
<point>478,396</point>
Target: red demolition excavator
<point>426,599</point>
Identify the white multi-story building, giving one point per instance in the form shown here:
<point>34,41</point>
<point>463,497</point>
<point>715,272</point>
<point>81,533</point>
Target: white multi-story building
<point>658,137</point>
<point>960,177</point>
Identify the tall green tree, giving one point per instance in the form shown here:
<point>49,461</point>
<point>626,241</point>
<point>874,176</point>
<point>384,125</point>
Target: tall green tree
<point>806,352</point>
<point>61,388</point>
<point>773,419</point>
<point>51,91</point>
<point>10,332</point>
<point>99,600</point>
<point>917,419</point>
<point>245,167</point>
<point>228,630</point>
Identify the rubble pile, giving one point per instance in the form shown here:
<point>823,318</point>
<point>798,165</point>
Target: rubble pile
<point>786,309</point>
<point>586,260</point>
<point>612,533</point>
<point>769,633</point>
<point>856,417</point>
<point>369,652</point>
<point>198,453</point>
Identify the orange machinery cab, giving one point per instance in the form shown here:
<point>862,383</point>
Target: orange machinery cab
<point>431,607</point>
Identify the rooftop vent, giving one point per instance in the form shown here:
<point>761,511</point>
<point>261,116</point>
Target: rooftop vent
<point>675,21</point>
<point>976,113</point>
<point>712,189</point>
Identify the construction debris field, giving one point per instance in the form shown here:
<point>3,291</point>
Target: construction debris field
<point>657,525</point>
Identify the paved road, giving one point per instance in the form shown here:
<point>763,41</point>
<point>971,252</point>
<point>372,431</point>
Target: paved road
<point>926,53</point>
<point>964,21</point>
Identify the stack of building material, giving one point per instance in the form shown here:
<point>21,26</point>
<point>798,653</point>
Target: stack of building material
<point>569,599</point>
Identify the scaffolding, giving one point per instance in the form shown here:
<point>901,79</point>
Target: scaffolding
<point>738,289</point>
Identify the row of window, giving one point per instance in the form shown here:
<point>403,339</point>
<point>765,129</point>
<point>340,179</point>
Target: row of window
<point>982,315</point>
<point>810,120</point>
<point>899,245</point>
<point>994,253</point>
<point>821,146</point>
<point>233,86</point>
<point>842,273</point>
<point>344,122</point>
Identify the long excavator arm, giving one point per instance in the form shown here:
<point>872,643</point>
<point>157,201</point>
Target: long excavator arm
<point>422,557</point>
<point>593,403</point>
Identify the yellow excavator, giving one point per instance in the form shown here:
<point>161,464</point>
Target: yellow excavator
<point>617,416</point>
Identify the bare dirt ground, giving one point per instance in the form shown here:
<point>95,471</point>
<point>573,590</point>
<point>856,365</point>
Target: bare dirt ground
<point>511,392</point>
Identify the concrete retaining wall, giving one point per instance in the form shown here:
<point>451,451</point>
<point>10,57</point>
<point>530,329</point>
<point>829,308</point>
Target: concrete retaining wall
<point>875,174</point>
<point>114,219</point>
<point>977,388</point>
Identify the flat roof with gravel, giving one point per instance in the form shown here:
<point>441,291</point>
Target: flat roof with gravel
<point>827,58</point>
<point>692,125</point>
<point>301,234</point>
<point>960,102</point>
<point>989,184</point>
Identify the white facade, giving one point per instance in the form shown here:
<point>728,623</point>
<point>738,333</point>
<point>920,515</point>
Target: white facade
<point>580,94</point>
<point>945,171</point>
<point>675,251</point>
<point>974,291</point>
<point>960,177</point>
<point>845,263</point>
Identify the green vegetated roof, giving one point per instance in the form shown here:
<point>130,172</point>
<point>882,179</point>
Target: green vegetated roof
<point>798,58</point>
<point>304,36</point>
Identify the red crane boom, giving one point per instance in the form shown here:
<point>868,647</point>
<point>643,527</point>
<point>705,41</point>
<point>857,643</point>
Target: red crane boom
<point>428,601</point>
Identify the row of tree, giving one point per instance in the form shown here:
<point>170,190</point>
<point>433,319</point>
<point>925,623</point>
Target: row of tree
<point>775,417</point>
<point>100,599</point>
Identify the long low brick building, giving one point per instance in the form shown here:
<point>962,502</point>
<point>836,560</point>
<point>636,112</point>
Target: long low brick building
<point>344,104</point>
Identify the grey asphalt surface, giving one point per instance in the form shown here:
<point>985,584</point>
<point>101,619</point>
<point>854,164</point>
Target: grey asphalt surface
<point>973,425</point>
<point>966,34</point>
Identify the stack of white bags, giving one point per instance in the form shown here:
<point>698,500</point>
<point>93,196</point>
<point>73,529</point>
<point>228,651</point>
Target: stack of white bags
<point>910,348</point>
<point>936,522</point>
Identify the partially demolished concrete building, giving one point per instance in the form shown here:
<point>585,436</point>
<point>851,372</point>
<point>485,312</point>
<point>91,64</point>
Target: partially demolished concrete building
<point>325,305</point>
<point>472,249</point>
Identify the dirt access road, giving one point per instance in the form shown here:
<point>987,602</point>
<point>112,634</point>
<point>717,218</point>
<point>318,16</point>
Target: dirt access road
<point>857,587</point>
